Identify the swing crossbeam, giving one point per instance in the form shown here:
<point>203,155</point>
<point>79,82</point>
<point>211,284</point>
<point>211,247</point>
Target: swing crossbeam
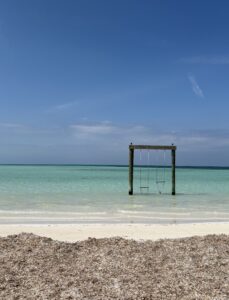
<point>132,147</point>
<point>151,147</point>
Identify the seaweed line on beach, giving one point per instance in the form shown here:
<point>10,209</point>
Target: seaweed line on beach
<point>33,267</point>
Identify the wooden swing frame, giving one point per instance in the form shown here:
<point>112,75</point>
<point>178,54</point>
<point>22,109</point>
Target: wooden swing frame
<point>132,147</point>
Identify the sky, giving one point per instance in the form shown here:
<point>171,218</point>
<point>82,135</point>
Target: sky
<point>81,79</point>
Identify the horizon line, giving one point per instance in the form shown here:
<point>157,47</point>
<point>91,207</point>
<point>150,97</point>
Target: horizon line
<point>116,165</point>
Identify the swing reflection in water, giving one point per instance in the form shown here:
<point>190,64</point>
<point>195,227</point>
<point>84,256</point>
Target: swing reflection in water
<point>147,166</point>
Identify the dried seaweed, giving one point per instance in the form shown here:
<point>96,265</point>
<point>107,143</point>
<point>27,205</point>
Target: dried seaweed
<point>33,267</point>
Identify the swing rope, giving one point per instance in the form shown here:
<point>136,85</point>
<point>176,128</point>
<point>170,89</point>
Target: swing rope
<point>141,176</point>
<point>160,176</point>
<point>160,173</point>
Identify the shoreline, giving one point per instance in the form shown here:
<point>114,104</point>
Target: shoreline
<point>79,232</point>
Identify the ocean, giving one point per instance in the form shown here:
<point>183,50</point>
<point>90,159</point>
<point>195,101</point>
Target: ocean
<point>97,194</point>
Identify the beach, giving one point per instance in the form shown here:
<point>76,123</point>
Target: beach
<point>79,232</point>
<point>34,267</point>
<point>114,261</point>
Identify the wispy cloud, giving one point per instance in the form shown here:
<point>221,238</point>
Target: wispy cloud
<point>106,135</point>
<point>66,105</point>
<point>207,60</point>
<point>117,136</point>
<point>62,106</point>
<point>99,129</point>
<point>73,143</point>
<point>12,126</point>
<point>195,86</point>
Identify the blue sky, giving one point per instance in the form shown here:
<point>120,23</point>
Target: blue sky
<point>77,75</point>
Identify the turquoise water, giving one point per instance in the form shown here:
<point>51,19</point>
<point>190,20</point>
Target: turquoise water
<point>100,194</point>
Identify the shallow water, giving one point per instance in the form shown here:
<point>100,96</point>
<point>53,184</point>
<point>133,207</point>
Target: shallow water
<point>100,194</point>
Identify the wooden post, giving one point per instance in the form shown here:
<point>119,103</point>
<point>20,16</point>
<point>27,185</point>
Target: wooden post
<point>131,169</point>
<point>173,152</point>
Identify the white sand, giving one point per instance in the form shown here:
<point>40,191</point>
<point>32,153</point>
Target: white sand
<point>76,232</point>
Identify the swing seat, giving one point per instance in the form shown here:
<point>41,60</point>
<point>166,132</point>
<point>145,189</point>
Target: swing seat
<point>160,181</point>
<point>144,187</point>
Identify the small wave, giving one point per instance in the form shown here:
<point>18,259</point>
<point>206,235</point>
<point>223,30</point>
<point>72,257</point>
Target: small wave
<point>135,212</point>
<point>30,212</point>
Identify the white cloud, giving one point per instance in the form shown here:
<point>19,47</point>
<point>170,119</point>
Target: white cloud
<point>62,106</point>
<point>107,133</point>
<point>93,129</point>
<point>208,60</point>
<point>12,126</point>
<point>66,105</point>
<point>109,143</point>
<point>117,136</point>
<point>121,136</point>
<point>195,87</point>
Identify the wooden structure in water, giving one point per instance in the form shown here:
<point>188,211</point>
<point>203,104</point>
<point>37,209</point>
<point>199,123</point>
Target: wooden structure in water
<point>132,147</point>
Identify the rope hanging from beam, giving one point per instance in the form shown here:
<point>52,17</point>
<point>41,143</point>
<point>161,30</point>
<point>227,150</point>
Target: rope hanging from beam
<point>160,179</point>
<point>146,185</point>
